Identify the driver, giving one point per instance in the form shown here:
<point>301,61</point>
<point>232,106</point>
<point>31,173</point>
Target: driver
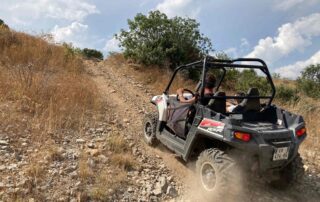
<point>210,84</point>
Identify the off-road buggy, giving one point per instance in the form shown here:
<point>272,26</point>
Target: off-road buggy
<point>259,137</point>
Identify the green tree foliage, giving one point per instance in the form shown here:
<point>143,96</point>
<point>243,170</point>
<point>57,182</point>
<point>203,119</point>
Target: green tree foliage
<point>286,94</point>
<point>92,54</point>
<point>309,81</point>
<point>157,39</point>
<point>71,51</point>
<point>3,25</point>
<point>249,79</point>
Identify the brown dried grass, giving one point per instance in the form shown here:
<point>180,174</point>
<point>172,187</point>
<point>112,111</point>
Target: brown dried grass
<point>48,82</point>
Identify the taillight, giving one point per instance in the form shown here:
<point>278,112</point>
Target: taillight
<point>246,137</point>
<point>301,132</point>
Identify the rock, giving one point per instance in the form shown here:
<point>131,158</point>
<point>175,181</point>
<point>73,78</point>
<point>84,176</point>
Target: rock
<point>163,183</point>
<point>80,141</point>
<point>99,130</point>
<point>74,174</point>
<point>90,145</point>
<point>2,167</point>
<point>78,184</point>
<point>130,189</point>
<point>113,91</point>
<point>4,143</point>
<point>70,169</point>
<point>103,159</point>
<point>172,192</point>
<point>91,163</point>
<point>170,178</point>
<point>13,166</point>
<point>93,152</point>
<point>157,191</point>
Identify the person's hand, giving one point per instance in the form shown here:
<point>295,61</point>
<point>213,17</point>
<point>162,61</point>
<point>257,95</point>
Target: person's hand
<point>180,91</point>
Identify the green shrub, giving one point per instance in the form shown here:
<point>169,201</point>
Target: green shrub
<point>155,39</point>
<point>92,54</point>
<point>70,51</point>
<point>249,79</point>
<point>3,25</point>
<point>309,82</point>
<point>286,94</point>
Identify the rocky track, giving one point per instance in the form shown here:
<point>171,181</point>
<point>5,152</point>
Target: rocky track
<point>130,101</point>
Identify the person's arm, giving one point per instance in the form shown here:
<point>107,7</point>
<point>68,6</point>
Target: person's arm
<point>182,98</point>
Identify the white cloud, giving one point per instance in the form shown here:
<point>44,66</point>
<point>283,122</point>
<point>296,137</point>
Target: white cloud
<point>74,33</point>
<point>244,43</point>
<point>112,45</point>
<point>29,10</point>
<point>232,52</point>
<point>288,4</point>
<point>291,37</point>
<point>172,8</point>
<point>294,70</point>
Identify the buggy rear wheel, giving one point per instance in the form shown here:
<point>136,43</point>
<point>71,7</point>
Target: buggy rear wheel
<point>150,128</point>
<point>217,173</point>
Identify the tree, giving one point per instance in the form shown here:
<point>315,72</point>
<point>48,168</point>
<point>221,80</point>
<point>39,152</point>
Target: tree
<point>309,81</point>
<point>155,39</point>
<point>3,25</point>
<point>92,53</point>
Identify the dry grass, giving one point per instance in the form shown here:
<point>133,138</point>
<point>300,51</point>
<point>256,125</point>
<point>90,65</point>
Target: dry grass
<point>46,81</point>
<point>107,184</point>
<point>124,161</point>
<point>117,144</point>
<point>102,182</point>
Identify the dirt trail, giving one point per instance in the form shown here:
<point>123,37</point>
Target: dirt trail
<point>130,100</point>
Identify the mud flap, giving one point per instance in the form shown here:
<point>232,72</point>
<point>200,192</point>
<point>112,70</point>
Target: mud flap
<point>265,157</point>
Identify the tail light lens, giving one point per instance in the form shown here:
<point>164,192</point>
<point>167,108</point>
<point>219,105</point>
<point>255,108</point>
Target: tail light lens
<point>246,137</point>
<point>300,132</point>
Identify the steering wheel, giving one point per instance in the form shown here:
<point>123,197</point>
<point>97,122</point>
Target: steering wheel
<point>186,90</point>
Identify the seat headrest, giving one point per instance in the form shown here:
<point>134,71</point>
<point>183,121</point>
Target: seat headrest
<point>252,104</point>
<point>253,92</point>
<point>218,104</point>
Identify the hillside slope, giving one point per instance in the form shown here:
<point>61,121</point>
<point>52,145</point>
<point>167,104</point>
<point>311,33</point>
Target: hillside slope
<point>70,130</point>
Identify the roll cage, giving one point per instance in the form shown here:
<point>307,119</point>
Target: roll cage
<point>213,63</point>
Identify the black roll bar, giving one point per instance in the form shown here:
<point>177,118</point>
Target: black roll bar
<point>209,62</point>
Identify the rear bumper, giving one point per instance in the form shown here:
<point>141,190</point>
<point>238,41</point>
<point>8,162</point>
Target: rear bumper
<point>259,153</point>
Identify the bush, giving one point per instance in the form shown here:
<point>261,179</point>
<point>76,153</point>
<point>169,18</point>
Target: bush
<point>249,79</point>
<point>3,25</point>
<point>286,94</point>
<point>309,82</point>
<point>155,39</point>
<point>92,54</point>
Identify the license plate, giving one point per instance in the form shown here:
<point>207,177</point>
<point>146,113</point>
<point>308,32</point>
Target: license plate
<point>281,153</point>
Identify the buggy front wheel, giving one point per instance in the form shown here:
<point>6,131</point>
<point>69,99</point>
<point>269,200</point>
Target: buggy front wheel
<point>149,129</point>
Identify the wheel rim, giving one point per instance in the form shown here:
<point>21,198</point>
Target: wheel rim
<point>148,130</point>
<point>208,176</point>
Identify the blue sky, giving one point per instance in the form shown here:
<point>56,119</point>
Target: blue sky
<point>285,33</point>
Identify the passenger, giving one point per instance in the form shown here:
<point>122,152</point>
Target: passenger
<point>231,106</point>
<point>210,84</point>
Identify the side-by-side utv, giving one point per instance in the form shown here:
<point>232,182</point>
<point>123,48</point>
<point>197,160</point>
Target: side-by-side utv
<point>258,136</point>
